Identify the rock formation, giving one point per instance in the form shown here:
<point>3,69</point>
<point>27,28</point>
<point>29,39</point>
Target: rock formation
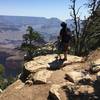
<point>47,78</point>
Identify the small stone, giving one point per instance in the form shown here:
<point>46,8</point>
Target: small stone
<point>29,82</point>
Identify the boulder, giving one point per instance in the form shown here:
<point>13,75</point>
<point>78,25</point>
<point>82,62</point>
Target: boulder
<point>85,89</point>
<point>40,62</point>
<point>57,91</point>
<point>86,80</point>
<point>74,76</point>
<point>33,66</point>
<point>78,92</point>
<point>42,76</point>
<point>96,66</point>
<point>54,92</point>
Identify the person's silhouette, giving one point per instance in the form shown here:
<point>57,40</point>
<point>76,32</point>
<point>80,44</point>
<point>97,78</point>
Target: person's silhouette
<point>65,38</point>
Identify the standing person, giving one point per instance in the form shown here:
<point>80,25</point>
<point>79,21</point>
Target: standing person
<point>65,37</point>
<point>58,46</point>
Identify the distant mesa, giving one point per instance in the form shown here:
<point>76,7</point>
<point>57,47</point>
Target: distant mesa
<point>13,27</point>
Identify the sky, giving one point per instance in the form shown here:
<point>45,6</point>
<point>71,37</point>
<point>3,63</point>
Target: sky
<point>40,8</point>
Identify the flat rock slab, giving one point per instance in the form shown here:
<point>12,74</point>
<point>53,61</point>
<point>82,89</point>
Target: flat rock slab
<point>48,61</point>
<point>42,76</point>
<point>33,66</point>
<point>74,59</point>
<point>70,67</point>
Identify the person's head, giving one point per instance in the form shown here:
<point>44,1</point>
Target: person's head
<point>63,25</point>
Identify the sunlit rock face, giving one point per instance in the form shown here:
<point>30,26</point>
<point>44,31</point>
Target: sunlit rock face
<point>41,80</point>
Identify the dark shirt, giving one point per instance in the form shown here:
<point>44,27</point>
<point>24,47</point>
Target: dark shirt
<point>65,35</point>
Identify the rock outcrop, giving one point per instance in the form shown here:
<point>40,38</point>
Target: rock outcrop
<point>96,66</point>
<point>98,76</point>
<point>47,78</point>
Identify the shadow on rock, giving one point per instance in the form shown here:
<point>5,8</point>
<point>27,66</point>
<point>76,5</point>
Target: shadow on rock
<point>56,64</point>
<point>97,88</point>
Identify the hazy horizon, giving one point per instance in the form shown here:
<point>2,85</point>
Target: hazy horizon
<point>37,8</point>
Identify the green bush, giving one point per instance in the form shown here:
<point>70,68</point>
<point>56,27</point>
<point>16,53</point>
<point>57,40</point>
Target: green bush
<point>1,69</point>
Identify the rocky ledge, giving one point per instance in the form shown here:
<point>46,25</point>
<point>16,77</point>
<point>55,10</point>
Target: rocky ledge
<point>47,78</point>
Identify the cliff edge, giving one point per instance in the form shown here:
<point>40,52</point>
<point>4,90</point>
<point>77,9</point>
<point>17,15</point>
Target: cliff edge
<point>47,78</point>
